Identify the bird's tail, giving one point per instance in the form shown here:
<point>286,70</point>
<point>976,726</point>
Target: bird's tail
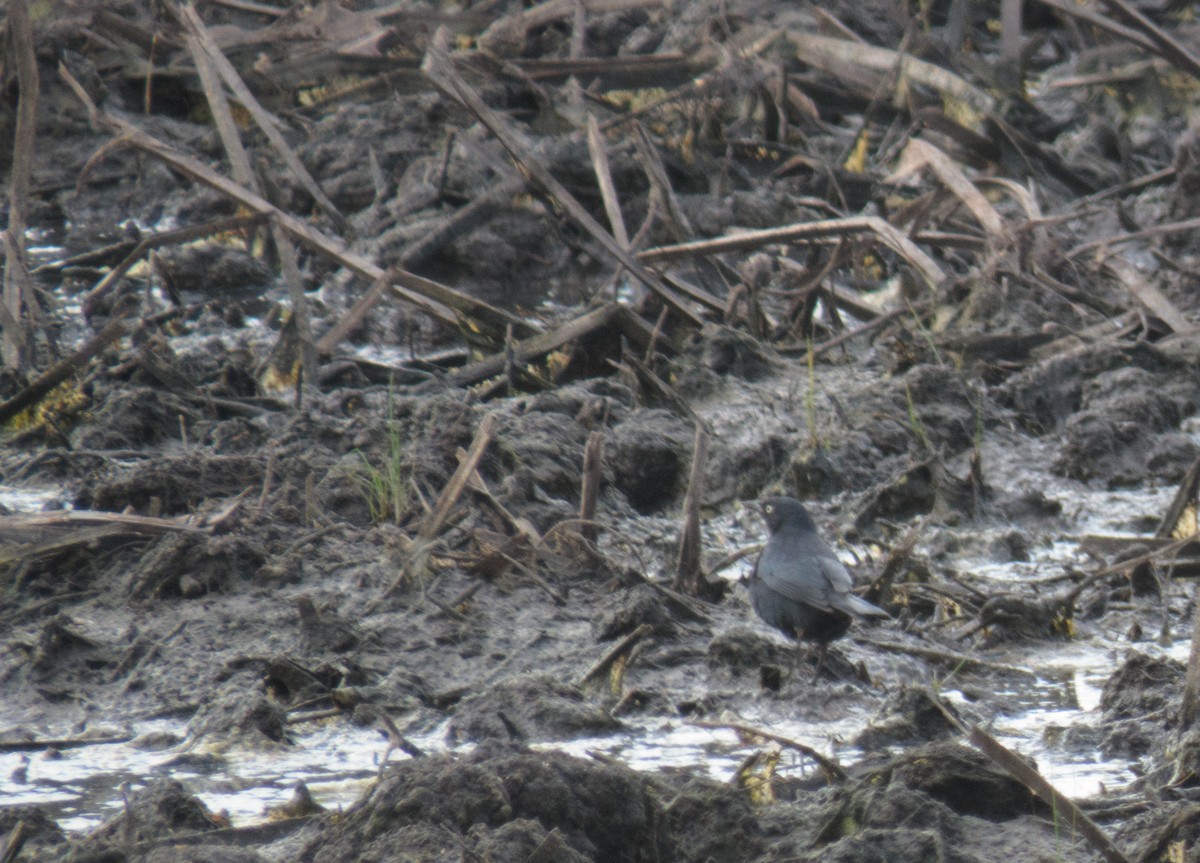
<point>858,605</point>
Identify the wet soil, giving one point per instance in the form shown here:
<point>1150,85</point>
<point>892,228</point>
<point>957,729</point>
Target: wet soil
<point>962,432</point>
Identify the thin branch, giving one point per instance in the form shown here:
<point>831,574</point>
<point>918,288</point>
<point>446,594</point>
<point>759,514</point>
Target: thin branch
<point>15,339</point>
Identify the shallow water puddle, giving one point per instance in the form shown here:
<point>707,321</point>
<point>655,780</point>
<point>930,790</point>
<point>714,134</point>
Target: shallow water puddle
<point>29,499</point>
<point>84,784</point>
<point>658,744</point>
<point>337,760</point>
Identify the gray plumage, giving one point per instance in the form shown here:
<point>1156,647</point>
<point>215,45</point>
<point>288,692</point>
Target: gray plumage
<point>798,584</point>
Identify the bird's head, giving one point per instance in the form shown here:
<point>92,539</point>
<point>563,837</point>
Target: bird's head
<point>780,511</point>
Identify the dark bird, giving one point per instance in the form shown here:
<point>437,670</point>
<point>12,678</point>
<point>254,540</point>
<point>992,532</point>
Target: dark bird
<point>798,584</point>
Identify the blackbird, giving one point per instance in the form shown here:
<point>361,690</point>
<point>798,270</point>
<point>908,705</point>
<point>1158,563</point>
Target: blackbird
<point>798,585</point>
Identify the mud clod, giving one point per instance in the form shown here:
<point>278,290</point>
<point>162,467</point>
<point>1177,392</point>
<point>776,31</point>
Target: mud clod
<point>1143,685</point>
<point>163,808</point>
<point>963,780</point>
<point>744,649</point>
<point>241,715</point>
<point>530,707</point>
<point>648,455</point>
<point>504,799</point>
<point>906,717</point>
<point>641,605</point>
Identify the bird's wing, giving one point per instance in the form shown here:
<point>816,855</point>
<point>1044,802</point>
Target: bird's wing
<point>817,580</point>
<point>841,595</point>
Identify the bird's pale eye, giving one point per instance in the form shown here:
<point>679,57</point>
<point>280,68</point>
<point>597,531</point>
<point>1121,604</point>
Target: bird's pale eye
<point>769,508</point>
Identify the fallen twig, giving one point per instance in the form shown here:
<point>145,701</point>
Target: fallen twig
<point>434,299</point>
<point>433,523</point>
<point>948,657</point>
<point>1164,44</point>
<point>60,743</point>
<point>687,573</point>
<point>17,306</point>
<point>262,118</point>
<point>841,55</point>
<point>657,387</point>
<point>1150,296</point>
<point>1089,15</point>
<point>614,653</point>
<point>1191,684</point>
<point>608,190</point>
<point>527,350</point>
<point>593,453</point>
<point>115,329</point>
<point>358,311</point>
<point>1186,226</point>
<point>512,28</point>
<point>919,154</point>
<point>807,232</point>
<point>164,238</point>
<point>440,70</point>
<point>1181,510</point>
<point>1028,776</point>
<point>15,841</point>
<point>461,223</point>
<point>1035,782</point>
<point>688,606</point>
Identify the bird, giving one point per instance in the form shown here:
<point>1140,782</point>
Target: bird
<point>798,585</point>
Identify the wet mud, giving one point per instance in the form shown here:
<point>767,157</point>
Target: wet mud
<point>291,565</point>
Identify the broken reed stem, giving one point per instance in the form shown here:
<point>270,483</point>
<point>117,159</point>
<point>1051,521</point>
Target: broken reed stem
<point>267,123</point>
<point>687,573</point>
<point>1165,45</point>
<point>614,653</point>
<point>608,189</point>
<point>454,488</point>
<point>212,66</point>
<point>15,304</point>
<point>439,69</point>
<point>15,842</point>
<point>550,846</point>
<point>1166,554</point>
<point>1191,684</point>
<point>807,232</point>
<point>461,223</point>
<point>417,554</point>
<point>146,244</point>
<point>328,342</point>
<point>593,453</point>
<point>436,300</point>
<point>1028,776</point>
<point>952,658</point>
<point>115,329</point>
<point>289,264</point>
<point>396,740</point>
<point>1035,782</point>
<point>462,597</point>
<point>655,334</point>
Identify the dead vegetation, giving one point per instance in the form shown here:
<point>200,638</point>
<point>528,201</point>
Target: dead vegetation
<point>587,224</point>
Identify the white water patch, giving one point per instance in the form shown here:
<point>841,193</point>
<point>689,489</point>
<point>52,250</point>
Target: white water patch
<point>32,498</point>
<point>654,744</point>
<point>335,759</point>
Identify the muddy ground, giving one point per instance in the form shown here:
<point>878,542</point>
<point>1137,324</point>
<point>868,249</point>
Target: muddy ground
<point>286,585</point>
